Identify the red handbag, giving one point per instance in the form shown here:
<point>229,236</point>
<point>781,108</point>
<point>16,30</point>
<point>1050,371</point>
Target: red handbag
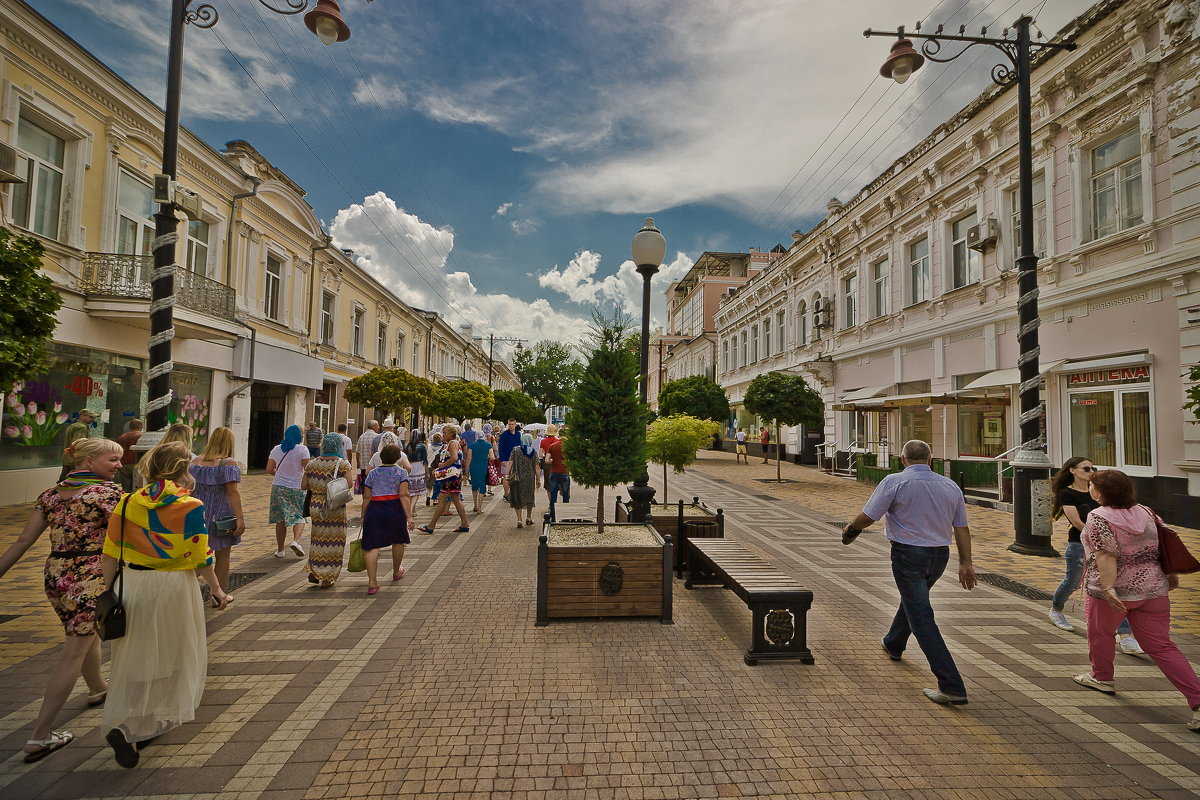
<point>1173,555</point>
<point>493,472</point>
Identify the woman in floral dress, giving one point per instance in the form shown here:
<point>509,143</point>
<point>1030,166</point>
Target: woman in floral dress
<point>77,512</point>
<point>328,544</point>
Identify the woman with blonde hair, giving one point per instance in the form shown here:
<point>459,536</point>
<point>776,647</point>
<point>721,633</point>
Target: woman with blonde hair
<point>217,476</point>
<point>328,543</point>
<point>159,666</point>
<point>449,467</point>
<point>76,510</point>
<point>179,432</point>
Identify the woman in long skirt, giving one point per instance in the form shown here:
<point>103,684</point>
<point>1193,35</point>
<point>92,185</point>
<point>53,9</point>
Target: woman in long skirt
<point>524,475</point>
<point>328,544</point>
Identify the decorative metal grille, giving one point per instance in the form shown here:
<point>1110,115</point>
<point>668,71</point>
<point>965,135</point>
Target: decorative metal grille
<point>128,276</point>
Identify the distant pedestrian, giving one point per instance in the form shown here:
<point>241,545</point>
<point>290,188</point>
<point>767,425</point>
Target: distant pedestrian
<point>387,507</point>
<point>1124,580</point>
<point>765,438</point>
<point>468,435</point>
<point>739,448</point>
<point>449,465</point>
<point>418,469</point>
<point>216,477</point>
<point>509,438</point>
<point>347,441</point>
<point>127,441</point>
<point>558,476</point>
<point>81,428</point>
<point>76,510</point>
<point>386,438</point>
<point>286,465</point>
<point>479,455</point>
<point>160,664</point>
<point>923,511</point>
<point>365,446</point>
<point>327,545</point>
<point>312,439</point>
<point>523,479</point>
<point>389,426</point>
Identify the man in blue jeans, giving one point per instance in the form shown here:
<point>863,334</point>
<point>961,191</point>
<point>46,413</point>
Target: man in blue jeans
<point>923,511</point>
<point>558,479</point>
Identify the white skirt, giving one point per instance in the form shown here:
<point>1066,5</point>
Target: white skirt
<point>159,665</point>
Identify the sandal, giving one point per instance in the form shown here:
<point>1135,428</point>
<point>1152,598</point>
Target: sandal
<point>528,522</point>
<point>462,529</point>
<point>56,741</point>
<point>399,573</point>
<point>372,589</point>
<point>97,699</point>
<point>519,524</point>
<point>125,752</point>
<point>425,529</point>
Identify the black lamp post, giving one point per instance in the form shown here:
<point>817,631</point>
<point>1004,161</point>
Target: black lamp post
<point>649,249</point>
<point>1031,462</point>
<point>491,340</point>
<point>325,20</point>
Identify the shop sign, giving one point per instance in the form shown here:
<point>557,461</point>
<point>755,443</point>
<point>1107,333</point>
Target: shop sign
<point>1136,374</point>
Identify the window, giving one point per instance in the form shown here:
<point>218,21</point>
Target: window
<point>381,344</point>
<point>850,301</point>
<point>416,356</point>
<point>360,315</point>
<point>1116,185</point>
<point>745,349</point>
<point>801,324</point>
<point>1111,419</point>
<point>918,271</point>
<point>881,289</point>
<point>37,203</point>
<point>725,356</point>
<point>327,305</point>
<point>400,349</point>
<point>135,212</point>
<point>197,247</point>
<point>273,289</point>
<point>753,344</point>
<point>1039,218</point>
<point>965,262</point>
<point>820,313</point>
<point>780,322</point>
<point>981,430</point>
<point>766,334</point>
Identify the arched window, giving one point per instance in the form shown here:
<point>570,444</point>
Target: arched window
<point>818,305</point>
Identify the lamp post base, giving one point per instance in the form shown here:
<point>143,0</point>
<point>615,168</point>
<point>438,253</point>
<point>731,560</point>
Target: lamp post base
<point>1031,510</point>
<point>641,495</point>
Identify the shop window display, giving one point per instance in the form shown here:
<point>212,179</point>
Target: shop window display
<point>981,431</point>
<point>1111,419</point>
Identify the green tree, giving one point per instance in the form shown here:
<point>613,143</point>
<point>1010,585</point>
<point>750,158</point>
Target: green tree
<point>391,391</point>
<point>606,443</point>
<point>1193,392</point>
<point>548,372</point>
<point>27,315</point>
<point>696,396</point>
<point>461,400</point>
<point>784,400</point>
<point>515,405</point>
<point>673,442</point>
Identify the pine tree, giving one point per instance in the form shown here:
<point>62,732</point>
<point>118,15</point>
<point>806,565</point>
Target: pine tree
<point>606,424</point>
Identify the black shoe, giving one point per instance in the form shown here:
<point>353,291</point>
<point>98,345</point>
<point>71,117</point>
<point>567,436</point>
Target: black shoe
<point>892,654</point>
<point>125,753</point>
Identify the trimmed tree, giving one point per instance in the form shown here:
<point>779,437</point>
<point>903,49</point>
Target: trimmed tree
<point>1192,393</point>
<point>515,405</point>
<point>548,373</point>
<point>27,318</point>
<point>461,400</point>
<point>784,400</point>
<point>696,396</point>
<point>391,391</point>
<point>673,442</point>
<point>606,443</point>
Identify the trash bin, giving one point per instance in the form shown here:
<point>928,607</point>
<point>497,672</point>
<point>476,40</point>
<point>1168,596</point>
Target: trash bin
<point>698,529</point>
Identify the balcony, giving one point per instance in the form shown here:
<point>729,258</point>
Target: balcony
<point>113,276</point>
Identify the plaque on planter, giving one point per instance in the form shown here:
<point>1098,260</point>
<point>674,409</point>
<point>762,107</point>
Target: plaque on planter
<point>612,577</point>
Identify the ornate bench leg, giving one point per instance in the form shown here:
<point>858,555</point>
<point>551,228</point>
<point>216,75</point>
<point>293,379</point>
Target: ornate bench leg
<point>779,631</point>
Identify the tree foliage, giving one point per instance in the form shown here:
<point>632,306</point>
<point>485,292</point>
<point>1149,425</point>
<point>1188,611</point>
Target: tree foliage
<point>1193,392</point>
<point>695,396</point>
<point>548,372</point>
<point>515,405</point>
<point>606,444</point>
<point>27,315</point>
<point>784,400</point>
<point>389,390</point>
<point>461,400</point>
<point>673,441</point>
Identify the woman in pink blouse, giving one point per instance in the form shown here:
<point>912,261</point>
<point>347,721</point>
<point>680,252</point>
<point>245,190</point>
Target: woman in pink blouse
<point>1124,579</point>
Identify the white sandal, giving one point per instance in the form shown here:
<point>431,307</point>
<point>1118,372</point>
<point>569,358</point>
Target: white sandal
<point>56,741</point>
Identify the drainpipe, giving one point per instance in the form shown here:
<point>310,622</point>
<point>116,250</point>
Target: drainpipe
<point>255,183</point>
<point>312,277</point>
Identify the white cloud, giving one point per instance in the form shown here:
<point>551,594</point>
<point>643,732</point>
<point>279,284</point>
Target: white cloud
<point>524,227</point>
<point>503,209</point>
<point>378,92</point>
<point>624,288</point>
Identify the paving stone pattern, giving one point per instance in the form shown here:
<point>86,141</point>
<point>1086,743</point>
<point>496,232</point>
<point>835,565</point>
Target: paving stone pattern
<point>441,686</point>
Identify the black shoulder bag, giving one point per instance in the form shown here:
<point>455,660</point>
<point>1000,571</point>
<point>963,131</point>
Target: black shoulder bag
<point>110,610</point>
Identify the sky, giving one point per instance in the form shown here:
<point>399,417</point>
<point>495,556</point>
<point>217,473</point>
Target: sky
<point>492,159</point>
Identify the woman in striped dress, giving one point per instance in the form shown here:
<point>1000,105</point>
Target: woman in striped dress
<point>328,544</point>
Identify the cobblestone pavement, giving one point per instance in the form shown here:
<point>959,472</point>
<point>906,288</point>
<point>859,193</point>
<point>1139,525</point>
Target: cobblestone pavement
<point>440,686</point>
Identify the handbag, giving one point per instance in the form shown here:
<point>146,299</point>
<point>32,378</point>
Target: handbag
<point>493,472</point>
<point>1173,555</point>
<point>337,493</point>
<point>225,523</point>
<point>110,606</point>
<point>356,562</point>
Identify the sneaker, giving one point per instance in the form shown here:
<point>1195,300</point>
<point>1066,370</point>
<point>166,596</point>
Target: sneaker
<point>297,549</point>
<point>1060,620</point>
<point>943,699</point>
<point>1086,679</point>
<point>1130,646</point>
<point>281,553</point>
<point>1194,722</point>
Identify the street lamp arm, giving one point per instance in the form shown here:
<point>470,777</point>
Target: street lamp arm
<point>1002,74</point>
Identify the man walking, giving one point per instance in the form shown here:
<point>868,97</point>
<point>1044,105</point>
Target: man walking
<point>923,510</point>
<point>312,439</point>
<point>557,477</point>
<point>365,448</point>
<point>765,438</point>
<point>127,440</point>
<point>739,448</point>
<point>81,428</point>
<point>509,438</point>
<point>347,444</point>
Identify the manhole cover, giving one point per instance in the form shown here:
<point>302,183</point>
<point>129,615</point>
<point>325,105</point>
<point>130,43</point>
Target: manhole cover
<point>1009,585</point>
<point>7,618</point>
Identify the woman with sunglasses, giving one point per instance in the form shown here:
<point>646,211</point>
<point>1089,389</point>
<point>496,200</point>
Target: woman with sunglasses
<point>1070,490</point>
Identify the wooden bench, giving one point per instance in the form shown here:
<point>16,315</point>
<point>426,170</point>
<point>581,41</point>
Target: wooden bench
<point>778,604</point>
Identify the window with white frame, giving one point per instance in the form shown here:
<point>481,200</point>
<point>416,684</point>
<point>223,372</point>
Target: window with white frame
<point>753,344</point>
<point>780,323</point>
<point>37,203</point>
<point>381,338</point>
<point>1111,417</point>
<point>400,349</point>
<point>820,314</point>
<point>1116,184</point>
<point>328,302</point>
<point>358,323</point>
<point>745,360</point>
<point>919,281</point>
<point>881,289</point>
<point>1039,218</point>
<point>802,324</point>
<point>965,263</point>
<point>135,215</point>
<point>850,301</point>
<point>197,246</point>
<point>273,288</point>
<point>766,337</point>
<point>416,356</point>
<point>725,356</point>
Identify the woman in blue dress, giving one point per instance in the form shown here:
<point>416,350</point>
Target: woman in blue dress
<point>479,454</point>
<point>387,507</point>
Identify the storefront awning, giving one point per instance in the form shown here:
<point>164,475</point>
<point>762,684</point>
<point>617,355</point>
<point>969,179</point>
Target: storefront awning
<point>863,394</point>
<point>1008,377</point>
<point>911,400</point>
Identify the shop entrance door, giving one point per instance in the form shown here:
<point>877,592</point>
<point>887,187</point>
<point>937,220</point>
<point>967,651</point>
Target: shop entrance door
<point>268,403</point>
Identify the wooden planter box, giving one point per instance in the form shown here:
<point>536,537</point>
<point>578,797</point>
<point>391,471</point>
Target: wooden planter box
<point>671,520</point>
<point>603,580</point>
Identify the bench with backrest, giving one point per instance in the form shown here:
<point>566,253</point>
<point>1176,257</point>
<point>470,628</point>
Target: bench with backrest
<point>778,603</point>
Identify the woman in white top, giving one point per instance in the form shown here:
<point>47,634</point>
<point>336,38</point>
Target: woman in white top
<point>386,438</point>
<point>286,463</point>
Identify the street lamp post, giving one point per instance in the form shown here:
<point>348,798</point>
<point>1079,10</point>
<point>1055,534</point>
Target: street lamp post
<point>1031,462</point>
<point>649,249</point>
<point>492,339</point>
<point>325,20</point>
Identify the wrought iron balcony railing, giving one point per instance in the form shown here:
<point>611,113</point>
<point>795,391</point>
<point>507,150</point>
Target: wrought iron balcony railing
<point>128,276</point>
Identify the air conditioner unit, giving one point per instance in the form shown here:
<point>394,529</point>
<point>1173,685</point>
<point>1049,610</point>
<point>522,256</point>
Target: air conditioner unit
<point>13,165</point>
<point>981,235</point>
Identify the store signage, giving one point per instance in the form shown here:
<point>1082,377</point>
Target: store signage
<point>1118,375</point>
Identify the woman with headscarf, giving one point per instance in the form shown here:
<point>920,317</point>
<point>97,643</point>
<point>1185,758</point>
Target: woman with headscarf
<point>286,464</point>
<point>328,543</point>
<point>524,476</point>
<point>387,507</point>
<point>386,438</point>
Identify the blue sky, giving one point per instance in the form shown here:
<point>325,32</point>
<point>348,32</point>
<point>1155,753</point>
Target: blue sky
<point>491,159</point>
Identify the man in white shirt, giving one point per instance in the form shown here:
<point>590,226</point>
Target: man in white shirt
<point>366,447</point>
<point>348,444</point>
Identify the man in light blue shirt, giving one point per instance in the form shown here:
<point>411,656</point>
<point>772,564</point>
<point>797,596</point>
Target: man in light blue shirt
<point>923,512</point>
